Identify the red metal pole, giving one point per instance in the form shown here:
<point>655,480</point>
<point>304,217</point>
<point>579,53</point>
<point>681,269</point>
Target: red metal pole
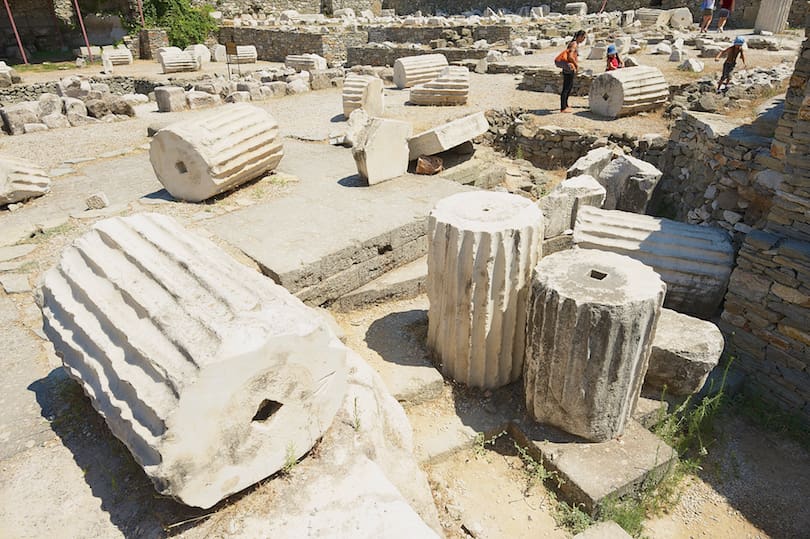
<point>140,9</point>
<point>16,33</point>
<point>84,32</point>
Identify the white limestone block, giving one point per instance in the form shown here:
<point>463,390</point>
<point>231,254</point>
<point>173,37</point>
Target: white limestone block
<point>21,179</point>
<point>245,54</point>
<point>215,151</point>
<point>172,61</point>
<point>218,53</point>
<point>684,352</point>
<point>170,99</point>
<point>576,8</point>
<point>412,70</point>
<point>447,136</point>
<point>363,92</point>
<point>381,150</point>
<point>652,17</point>
<point>200,52</point>
<point>629,183</point>
<point>560,206</point>
<point>305,62</point>
<point>592,319</point>
<point>211,374</point>
<point>451,87</point>
<point>694,261</point>
<point>592,163</point>
<point>482,248</point>
<point>681,17</point>
<point>627,91</point>
<point>117,56</point>
<point>772,16</point>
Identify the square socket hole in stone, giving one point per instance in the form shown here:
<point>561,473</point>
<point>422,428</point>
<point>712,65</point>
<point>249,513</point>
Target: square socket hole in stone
<point>266,410</point>
<point>598,275</point>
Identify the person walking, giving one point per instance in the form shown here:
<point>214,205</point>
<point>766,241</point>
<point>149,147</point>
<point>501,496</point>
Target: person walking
<point>731,54</point>
<point>726,7</point>
<point>568,61</point>
<point>707,8</point>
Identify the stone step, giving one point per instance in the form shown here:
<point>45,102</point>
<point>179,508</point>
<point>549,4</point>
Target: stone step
<point>406,281</point>
<point>330,235</point>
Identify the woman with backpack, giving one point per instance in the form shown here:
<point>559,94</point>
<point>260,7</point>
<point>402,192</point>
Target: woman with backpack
<point>568,61</point>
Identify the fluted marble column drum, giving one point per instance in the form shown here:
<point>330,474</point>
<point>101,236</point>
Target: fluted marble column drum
<point>482,248</point>
<point>592,319</point>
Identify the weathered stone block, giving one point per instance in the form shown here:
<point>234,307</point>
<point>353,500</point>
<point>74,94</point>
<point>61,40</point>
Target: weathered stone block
<point>448,135</point>
<point>363,92</point>
<point>215,152</point>
<point>694,261</point>
<point>17,115</point>
<point>482,248</point>
<point>560,205</point>
<point>170,99</point>
<point>381,150</point>
<point>684,352</point>
<point>451,87</point>
<point>592,163</point>
<point>629,183</point>
<point>591,312</point>
<point>21,179</point>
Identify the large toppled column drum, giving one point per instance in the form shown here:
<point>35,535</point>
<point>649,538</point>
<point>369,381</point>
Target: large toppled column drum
<point>627,91</point>
<point>695,261</point>
<point>451,87</point>
<point>363,92</point>
<point>482,248</point>
<point>212,375</point>
<point>592,318</point>
<point>412,70</point>
<point>215,152</point>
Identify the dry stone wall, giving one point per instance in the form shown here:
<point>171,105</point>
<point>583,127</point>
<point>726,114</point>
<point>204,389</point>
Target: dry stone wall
<point>714,173</point>
<point>767,308</point>
<point>275,45</point>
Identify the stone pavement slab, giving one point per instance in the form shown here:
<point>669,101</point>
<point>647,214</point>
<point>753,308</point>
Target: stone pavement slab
<point>331,234</point>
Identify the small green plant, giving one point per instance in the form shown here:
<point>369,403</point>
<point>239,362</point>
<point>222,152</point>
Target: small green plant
<point>628,513</point>
<point>481,441</point>
<point>571,518</point>
<point>289,460</point>
<point>534,471</point>
<point>356,422</point>
<point>519,152</point>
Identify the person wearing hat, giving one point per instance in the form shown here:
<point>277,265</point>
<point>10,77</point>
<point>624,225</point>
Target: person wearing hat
<point>613,60</point>
<point>731,54</point>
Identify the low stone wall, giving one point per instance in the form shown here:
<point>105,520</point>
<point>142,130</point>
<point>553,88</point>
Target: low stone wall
<point>714,174</point>
<point>425,34</point>
<point>382,56</point>
<point>118,85</point>
<point>274,45</point>
<point>766,318</point>
<point>549,79</point>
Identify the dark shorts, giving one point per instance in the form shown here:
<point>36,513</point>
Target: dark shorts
<point>727,69</point>
<point>708,12</point>
<point>723,13</point>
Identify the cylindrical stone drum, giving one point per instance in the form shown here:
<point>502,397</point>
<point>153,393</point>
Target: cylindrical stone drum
<point>592,318</point>
<point>627,91</point>
<point>482,248</point>
<point>412,70</point>
<point>215,152</point>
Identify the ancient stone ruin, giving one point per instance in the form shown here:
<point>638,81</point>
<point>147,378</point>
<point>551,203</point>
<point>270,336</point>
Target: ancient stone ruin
<point>482,249</point>
<point>210,374</point>
<point>591,313</point>
<point>198,159</point>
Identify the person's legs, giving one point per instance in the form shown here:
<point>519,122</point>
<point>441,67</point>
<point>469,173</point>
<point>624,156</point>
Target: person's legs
<point>721,22</point>
<point>568,85</point>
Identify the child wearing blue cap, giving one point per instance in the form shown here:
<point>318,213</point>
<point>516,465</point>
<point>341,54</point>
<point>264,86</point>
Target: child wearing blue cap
<point>731,54</point>
<point>613,60</point>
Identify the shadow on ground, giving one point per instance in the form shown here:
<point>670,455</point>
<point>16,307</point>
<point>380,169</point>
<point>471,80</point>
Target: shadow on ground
<point>400,337</point>
<point>126,493</point>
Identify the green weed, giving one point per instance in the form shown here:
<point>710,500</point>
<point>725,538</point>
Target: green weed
<point>571,518</point>
<point>289,460</point>
<point>481,441</point>
<point>535,472</point>
<point>356,423</point>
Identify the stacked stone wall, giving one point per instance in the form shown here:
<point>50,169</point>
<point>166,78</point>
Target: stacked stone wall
<point>712,174</point>
<point>744,13</point>
<point>425,34</point>
<point>385,56</point>
<point>767,309</point>
<point>275,45</point>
